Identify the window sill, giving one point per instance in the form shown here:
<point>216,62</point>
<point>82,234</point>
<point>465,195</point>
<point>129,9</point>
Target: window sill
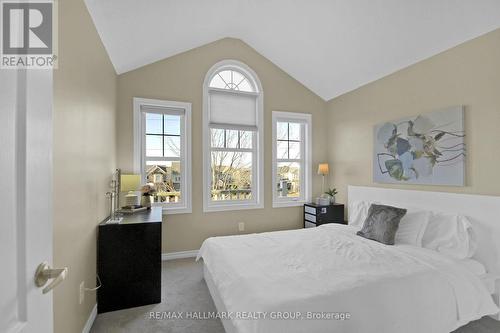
<point>281,204</point>
<point>225,208</point>
<point>173,210</point>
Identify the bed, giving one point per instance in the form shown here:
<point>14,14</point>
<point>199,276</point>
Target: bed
<point>328,279</point>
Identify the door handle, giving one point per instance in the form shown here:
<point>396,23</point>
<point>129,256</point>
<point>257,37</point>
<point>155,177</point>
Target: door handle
<point>44,272</point>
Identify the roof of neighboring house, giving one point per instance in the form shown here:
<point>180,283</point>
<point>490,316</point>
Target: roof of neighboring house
<point>156,168</point>
<point>161,169</point>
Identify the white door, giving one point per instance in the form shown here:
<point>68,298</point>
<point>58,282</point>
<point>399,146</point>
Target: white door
<point>25,198</point>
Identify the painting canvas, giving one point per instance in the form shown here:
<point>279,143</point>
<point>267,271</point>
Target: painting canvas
<point>424,149</point>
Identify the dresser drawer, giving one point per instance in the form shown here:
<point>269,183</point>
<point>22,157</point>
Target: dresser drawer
<point>310,210</point>
<point>310,218</point>
<point>309,224</point>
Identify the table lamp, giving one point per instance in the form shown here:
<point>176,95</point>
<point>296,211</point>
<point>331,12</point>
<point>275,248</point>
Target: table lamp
<point>323,170</point>
<point>130,184</point>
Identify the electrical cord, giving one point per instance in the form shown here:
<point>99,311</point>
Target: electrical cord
<point>99,286</point>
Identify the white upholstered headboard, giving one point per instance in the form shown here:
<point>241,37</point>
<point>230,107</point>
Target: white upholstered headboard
<point>483,212</point>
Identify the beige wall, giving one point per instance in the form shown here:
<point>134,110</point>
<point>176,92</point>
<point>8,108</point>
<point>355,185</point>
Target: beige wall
<point>180,78</point>
<point>466,75</point>
<point>84,157</point>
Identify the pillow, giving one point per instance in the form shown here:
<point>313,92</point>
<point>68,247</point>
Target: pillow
<point>358,211</point>
<point>450,235</point>
<point>382,223</point>
<point>412,227</point>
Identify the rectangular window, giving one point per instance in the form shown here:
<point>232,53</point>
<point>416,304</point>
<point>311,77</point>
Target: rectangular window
<point>291,159</point>
<point>162,151</point>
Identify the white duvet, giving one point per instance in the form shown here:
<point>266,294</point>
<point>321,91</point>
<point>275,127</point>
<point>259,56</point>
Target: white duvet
<point>329,269</point>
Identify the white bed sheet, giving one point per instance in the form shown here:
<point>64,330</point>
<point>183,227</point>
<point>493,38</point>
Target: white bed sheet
<point>330,269</point>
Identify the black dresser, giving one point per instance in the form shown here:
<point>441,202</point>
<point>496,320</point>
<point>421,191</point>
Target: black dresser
<point>129,261</point>
<point>315,215</point>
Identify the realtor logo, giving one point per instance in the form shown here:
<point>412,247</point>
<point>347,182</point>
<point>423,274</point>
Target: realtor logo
<point>27,34</point>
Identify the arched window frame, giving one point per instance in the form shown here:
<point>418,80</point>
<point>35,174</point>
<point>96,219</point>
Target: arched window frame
<point>257,200</point>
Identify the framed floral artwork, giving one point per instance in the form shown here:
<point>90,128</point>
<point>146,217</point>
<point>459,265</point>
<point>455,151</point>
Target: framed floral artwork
<point>424,149</point>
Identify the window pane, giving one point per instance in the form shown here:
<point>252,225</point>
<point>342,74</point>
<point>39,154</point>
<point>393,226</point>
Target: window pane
<point>282,131</point>
<point>217,137</point>
<point>282,149</point>
<point>154,145</point>
<point>166,178</point>
<point>217,82</point>
<point>231,175</point>
<point>237,79</point>
<point>172,146</point>
<point>246,139</point>
<point>226,77</point>
<point>231,139</point>
<point>245,86</point>
<point>153,123</point>
<point>288,180</point>
<point>294,131</point>
<point>172,124</point>
<point>294,152</point>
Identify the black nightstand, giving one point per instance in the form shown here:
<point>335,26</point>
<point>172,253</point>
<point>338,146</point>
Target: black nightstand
<point>315,215</point>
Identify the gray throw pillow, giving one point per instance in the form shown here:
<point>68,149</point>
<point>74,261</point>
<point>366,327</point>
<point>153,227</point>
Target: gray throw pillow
<point>382,223</point>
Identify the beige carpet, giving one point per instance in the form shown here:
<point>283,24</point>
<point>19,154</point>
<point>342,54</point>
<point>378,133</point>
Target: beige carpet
<point>183,289</point>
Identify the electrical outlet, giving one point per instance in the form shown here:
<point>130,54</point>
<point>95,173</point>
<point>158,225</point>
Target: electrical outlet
<point>241,226</point>
<point>81,298</point>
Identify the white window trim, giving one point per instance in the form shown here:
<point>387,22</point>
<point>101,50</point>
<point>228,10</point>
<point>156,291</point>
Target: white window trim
<point>258,194</point>
<point>139,146</point>
<point>305,118</point>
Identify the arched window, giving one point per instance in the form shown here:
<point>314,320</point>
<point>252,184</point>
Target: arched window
<point>232,138</point>
<point>231,79</point>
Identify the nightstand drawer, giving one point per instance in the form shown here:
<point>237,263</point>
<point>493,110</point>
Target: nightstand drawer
<point>310,210</point>
<point>310,218</point>
<point>309,225</point>
<point>319,214</point>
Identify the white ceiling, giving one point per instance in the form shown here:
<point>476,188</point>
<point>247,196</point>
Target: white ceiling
<point>330,46</point>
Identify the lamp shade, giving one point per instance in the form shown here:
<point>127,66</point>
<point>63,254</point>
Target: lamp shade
<point>130,183</point>
<point>323,169</point>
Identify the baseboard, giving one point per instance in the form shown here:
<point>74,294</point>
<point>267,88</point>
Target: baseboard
<point>179,255</point>
<point>90,320</point>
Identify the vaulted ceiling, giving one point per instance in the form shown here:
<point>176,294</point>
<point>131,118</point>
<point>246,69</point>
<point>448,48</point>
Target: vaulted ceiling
<point>330,46</point>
